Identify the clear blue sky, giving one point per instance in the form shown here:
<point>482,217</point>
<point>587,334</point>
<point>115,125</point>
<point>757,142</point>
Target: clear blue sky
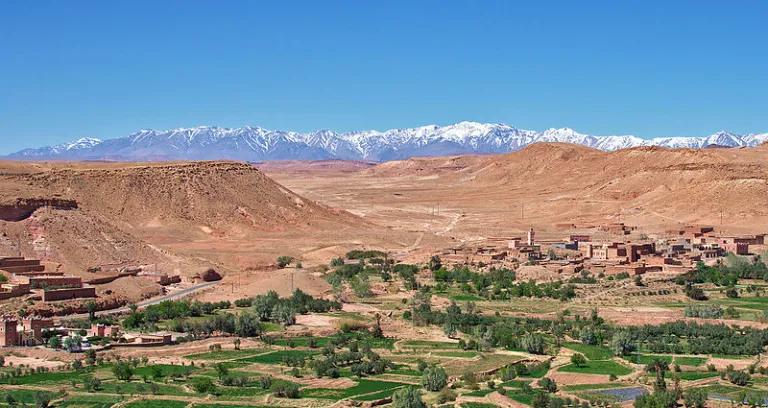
<point>650,68</point>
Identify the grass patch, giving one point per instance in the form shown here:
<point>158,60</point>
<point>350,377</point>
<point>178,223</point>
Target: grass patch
<point>50,378</point>
<point>167,369</point>
<point>478,405</point>
<point>27,396</point>
<point>590,352</point>
<point>587,387</point>
<point>480,393</point>
<point>276,357</point>
<point>229,406</point>
<point>362,387</point>
<point>696,375</point>
<point>526,399</point>
<point>88,401</point>
<point>138,388</point>
<point>515,383</point>
<point>647,359</point>
<point>459,354</point>
<point>153,403</point>
<point>598,367</point>
<point>690,361</point>
<point>406,370</point>
<point>378,395</point>
<point>227,354</point>
<point>426,344</point>
<point>465,298</point>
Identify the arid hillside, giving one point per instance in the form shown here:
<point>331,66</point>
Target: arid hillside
<point>545,184</point>
<point>183,216</point>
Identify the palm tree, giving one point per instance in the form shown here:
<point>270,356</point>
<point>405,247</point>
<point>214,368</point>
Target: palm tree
<point>660,367</point>
<point>91,307</point>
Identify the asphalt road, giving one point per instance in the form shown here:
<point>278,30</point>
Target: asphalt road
<point>148,302</point>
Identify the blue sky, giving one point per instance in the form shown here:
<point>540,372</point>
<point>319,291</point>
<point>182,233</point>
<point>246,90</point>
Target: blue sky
<point>649,68</point>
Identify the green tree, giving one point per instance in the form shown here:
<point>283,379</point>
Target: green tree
<point>660,367</point>
<point>157,372</point>
<point>407,397</point>
<point>533,343</point>
<point>54,342</point>
<point>695,398</point>
<point>248,325</point>
<point>578,360</point>
<point>434,263</point>
<point>221,370</point>
<point>284,313</point>
<point>204,385</point>
<point>548,384</point>
<point>283,261</point>
<point>91,307</point>
<point>434,379</point>
<point>91,383</point>
<point>122,370</point>
<point>42,399</point>
<point>540,400</point>
<point>265,382</point>
<point>621,343</point>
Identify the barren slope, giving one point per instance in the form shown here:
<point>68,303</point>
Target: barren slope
<point>184,216</point>
<point>549,183</point>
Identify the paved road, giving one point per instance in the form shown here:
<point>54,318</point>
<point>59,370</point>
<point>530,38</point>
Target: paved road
<point>148,302</point>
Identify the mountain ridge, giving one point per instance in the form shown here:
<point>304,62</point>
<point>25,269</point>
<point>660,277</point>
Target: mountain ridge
<point>253,143</point>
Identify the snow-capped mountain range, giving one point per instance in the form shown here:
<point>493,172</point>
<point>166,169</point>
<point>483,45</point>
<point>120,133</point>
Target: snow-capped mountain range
<point>258,144</point>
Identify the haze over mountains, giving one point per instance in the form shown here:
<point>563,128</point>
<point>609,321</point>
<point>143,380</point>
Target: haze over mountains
<point>258,144</point>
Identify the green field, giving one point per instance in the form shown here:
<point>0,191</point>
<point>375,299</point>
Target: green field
<point>597,367</point>
<point>276,357</point>
<point>156,403</point>
<point>587,387</point>
<point>363,387</point>
<point>696,375</point>
<point>138,387</point>
<point>522,398</point>
<point>377,395</point>
<point>227,354</point>
<point>590,352</point>
<point>438,345</point>
<point>647,359</point>
<point>88,401</point>
<point>50,378</point>
<point>690,361</point>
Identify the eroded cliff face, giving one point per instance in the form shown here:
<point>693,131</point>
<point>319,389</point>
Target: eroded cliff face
<point>22,208</point>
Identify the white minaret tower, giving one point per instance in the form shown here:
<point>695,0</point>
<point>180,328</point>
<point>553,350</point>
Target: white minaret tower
<point>531,237</point>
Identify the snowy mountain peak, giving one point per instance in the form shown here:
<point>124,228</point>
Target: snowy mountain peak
<point>254,143</point>
<point>82,143</point>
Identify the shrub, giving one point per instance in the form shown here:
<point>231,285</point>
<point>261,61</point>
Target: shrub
<point>434,379</point>
<point>204,385</point>
<point>286,390</point>
<point>548,384</point>
<point>123,371</point>
<point>704,311</point>
<point>446,395</point>
<point>407,397</point>
<point>265,382</point>
<point>578,359</point>
<point>738,378</point>
<point>283,261</point>
<point>533,343</point>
